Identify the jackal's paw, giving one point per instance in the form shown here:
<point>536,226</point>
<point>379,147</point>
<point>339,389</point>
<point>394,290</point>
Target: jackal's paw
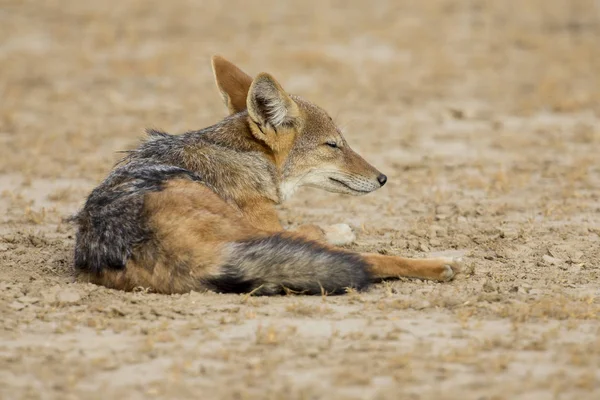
<point>339,234</point>
<point>451,267</point>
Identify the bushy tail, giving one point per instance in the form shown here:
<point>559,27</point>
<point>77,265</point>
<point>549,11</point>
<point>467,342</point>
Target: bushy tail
<point>281,263</point>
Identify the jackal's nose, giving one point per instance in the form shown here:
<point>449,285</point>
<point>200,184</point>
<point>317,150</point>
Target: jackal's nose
<point>382,179</point>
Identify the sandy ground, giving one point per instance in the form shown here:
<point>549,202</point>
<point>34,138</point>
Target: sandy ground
<point>484,115</point>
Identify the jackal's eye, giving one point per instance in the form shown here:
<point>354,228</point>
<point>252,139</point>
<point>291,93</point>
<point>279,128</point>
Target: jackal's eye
<point>333,145</point>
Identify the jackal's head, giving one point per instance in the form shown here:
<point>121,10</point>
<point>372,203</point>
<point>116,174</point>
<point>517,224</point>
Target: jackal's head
<point>304,142</point>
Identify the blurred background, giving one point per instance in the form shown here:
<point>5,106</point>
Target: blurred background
<point>88,76</point>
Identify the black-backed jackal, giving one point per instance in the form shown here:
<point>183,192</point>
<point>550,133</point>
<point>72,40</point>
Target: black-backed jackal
<point>197,211</point>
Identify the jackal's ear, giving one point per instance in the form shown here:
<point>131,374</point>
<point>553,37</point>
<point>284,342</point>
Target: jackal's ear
<point>232,82</point>
<point>269,104</point>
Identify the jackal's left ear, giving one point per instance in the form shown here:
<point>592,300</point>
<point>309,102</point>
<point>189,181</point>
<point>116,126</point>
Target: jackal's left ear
<point>269,104</point>
<point>232,82</point>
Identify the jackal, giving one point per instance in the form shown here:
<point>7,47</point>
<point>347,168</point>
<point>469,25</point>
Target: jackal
<point>196,211</point>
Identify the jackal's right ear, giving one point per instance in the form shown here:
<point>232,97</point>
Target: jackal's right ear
<point>232,82</point>
<point>268,104</point>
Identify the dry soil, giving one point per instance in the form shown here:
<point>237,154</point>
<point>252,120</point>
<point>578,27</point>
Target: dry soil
<point>484,115</point>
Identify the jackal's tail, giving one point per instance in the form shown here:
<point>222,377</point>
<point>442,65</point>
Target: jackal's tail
<point>283,263</point>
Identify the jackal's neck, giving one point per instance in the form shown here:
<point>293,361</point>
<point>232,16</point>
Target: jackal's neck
<point>233,132</point>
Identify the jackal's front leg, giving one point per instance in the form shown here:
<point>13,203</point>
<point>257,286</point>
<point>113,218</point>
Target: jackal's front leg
<point>262,215</point>
<point>337,235</point>
<point>439,269</point>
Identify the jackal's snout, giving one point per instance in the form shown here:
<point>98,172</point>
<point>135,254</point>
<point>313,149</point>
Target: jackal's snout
<point>352,174</point>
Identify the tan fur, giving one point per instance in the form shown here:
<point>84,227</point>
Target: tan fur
<point>262,214</point>
<point>439,269</point>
